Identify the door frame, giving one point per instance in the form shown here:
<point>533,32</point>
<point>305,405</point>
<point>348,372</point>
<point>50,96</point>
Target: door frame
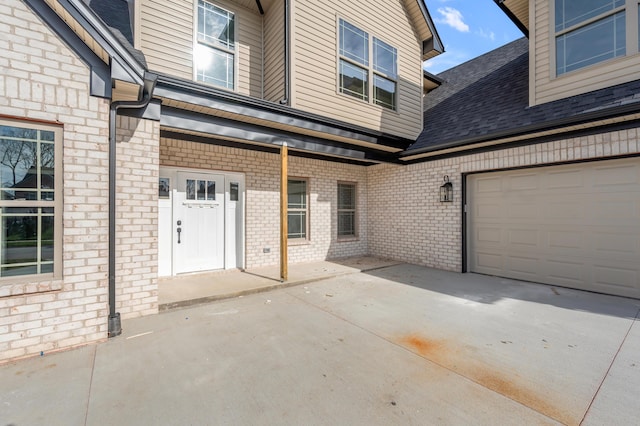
<point>235,242</point>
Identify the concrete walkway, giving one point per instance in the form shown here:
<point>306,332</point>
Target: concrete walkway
<point>398,345</point>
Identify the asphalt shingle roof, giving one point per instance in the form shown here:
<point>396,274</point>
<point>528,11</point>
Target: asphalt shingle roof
<point>488,97</point>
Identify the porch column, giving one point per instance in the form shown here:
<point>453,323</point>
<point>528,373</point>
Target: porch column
<point>284,272</point>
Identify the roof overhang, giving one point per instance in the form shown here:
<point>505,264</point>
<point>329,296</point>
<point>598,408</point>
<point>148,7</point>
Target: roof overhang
<point>86,34</point>
<point>431,81</point>
<point>589,120</point>
<point>189,125</point>
<point>518,12</point>
<point>191,96</point>
<point>426,29</point>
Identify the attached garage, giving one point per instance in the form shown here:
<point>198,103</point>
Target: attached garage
<point>575,225</point>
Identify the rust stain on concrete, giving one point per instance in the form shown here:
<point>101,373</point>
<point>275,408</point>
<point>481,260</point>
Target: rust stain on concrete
<point>447,355</point>
<point>425,347</point>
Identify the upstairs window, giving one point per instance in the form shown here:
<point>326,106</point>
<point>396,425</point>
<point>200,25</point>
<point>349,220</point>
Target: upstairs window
<point>374,80</point>
<point>589,31</point>
<point>216,47</point>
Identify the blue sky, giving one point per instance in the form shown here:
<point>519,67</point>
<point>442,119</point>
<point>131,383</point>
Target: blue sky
<point>468,28</point>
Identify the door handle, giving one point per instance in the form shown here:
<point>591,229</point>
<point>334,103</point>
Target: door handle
<point>179,231</point>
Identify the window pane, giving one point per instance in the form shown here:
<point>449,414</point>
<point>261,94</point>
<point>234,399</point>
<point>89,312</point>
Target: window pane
<point>46,242</point>
<point>14,271</point>
<point>354,43</point>
<point>572,12</point>
<point>19,166</point>
<point>191,189</point>
<point>26,163</point>
<point>211,190</point>
<point>297,224</point>
<point>202,190</point>
<point>19,132</point>
<point>19,239</point>
<point>384,92</point>
<point>47,161</point>
<point>346,224</point>
<point>297,194</point>
<point>214,66</point>
<point>164,187</point>
<point>215,25</point>
<point>354,81</point>
<point>234,191</point>
<point>346,196</point>
<point>384,58</point>
<point>593,43</point>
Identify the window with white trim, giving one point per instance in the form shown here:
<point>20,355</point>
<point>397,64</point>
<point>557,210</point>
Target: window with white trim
<point>591,31</point>
<point>30,198</point>
<point>346,210</point>
<point>358,75</point>
<point>297,209</point>
<point>215,51</point>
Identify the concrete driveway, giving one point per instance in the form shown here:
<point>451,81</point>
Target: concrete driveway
<point>399,345</point>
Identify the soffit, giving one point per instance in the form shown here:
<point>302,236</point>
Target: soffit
<point>123,91</point>
<point>424,27</point>
<point>519,9</point>
<point>253,5</point>
<point>244,143</point>
<point>79,30</point>
<point>274,125</point>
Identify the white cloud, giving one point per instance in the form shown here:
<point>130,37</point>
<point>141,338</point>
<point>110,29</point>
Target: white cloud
<point>486,34</point>
<point>453,18</point>
<point>449,59</point>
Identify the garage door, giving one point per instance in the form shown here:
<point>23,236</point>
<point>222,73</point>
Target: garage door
<point>572,225</point>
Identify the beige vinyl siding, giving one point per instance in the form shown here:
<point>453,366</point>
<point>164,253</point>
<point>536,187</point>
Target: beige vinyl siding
<point>274,66</point>
<point>314,67</point>
<point>547,87</point>
<point>167,36</point>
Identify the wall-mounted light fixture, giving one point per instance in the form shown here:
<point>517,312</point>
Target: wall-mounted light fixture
<point>446,191</point>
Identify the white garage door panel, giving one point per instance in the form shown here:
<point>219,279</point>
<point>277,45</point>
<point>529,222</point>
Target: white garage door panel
<point>575,225</point>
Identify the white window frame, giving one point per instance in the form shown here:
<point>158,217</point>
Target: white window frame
<point>371,72</point>
<point>354,210</point>
<point>197,44</point>
<point>631,9</point>
<point>305,209</point>
<point>56,204</point>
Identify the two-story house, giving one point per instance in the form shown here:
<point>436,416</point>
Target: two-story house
<point>172,131</point>
<point>146,139</point>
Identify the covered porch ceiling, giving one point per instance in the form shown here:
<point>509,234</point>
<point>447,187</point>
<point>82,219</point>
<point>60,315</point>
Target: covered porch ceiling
<point>208,115</point>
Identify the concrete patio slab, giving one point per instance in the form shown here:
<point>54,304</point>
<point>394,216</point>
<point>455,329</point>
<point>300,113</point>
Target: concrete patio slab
<point>193,289</point>
<point>399,345</point>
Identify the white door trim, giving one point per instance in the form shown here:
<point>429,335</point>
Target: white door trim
<point>234,239</point>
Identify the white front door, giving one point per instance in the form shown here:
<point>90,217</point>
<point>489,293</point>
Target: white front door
<point>198,222</point>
